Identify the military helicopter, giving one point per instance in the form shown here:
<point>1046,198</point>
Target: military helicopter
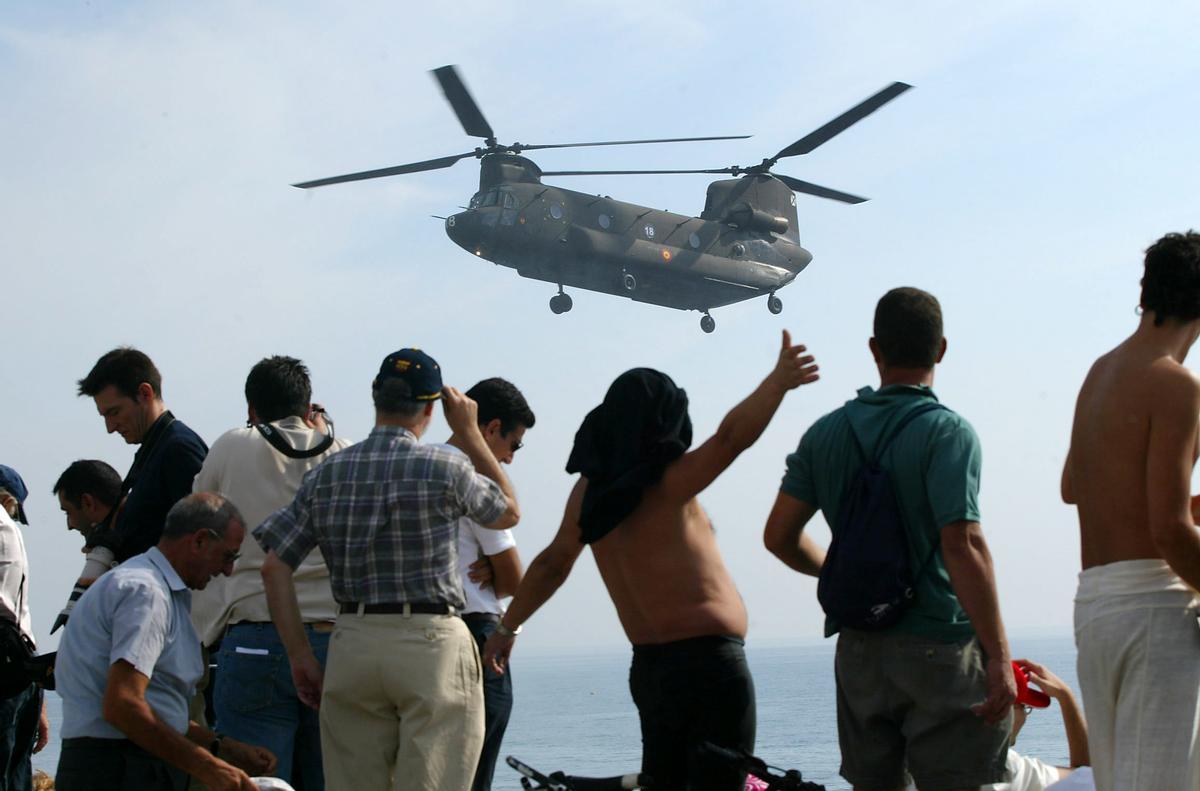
<point>745,243</point>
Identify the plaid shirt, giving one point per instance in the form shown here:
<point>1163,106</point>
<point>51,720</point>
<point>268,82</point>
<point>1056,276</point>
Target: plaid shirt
<point>385,514</point>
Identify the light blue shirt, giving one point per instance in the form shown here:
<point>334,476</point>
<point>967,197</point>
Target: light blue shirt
<point>139,612</point>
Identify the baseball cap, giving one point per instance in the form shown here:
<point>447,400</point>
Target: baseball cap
<point>10,479</point>
<point>417,369</point>
<point>1027,695</point>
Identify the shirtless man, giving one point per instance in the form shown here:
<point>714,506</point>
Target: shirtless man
<point>1133,446</point>
<point>635,503</point>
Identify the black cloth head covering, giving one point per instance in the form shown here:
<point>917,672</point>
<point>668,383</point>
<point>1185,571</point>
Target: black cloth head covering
<point>624,445</point>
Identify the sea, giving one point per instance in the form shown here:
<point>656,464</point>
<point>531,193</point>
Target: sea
<point>572,711</point>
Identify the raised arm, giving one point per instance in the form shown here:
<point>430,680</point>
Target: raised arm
<point>1072,714</point>
<point>462,415</point>
<point>547,572</point>
<point>744,424</point>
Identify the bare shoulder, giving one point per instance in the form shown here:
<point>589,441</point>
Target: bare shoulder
<point>1175,387</point>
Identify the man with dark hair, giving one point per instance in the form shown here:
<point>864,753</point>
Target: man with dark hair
<point>127,666</point>
<point>88,491</point>
<point>934,691</point>
<point>504,417</point>
<point>403,698</point>
<point>1129,472</point>
<point>127,390</point>
<point>259,468</point>
<point>635,504</point>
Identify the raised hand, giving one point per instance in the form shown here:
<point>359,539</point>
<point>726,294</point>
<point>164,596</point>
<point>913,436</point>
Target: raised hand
<point>1051,684</point>
<point>462,413</point>
<point>794,367</point>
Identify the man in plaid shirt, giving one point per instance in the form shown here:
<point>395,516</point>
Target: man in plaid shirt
<point>402,698</point>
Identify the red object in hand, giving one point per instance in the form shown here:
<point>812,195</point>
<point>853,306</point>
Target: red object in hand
<point>1027,695</point>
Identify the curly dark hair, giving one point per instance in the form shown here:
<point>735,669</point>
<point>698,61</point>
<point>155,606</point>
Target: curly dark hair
<point>1171,283</point>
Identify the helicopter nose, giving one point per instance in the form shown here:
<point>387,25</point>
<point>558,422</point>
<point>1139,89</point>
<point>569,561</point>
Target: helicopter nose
<point>461,230</point>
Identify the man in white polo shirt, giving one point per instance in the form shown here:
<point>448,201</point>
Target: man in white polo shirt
<point>488,561</point>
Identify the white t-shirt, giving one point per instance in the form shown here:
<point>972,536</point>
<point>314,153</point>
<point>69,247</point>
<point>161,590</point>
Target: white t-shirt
<point>475,541</point>
<point>14,575</point>
<point>1022,773</point>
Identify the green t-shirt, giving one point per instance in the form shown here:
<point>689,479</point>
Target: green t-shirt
<point>934,467</point>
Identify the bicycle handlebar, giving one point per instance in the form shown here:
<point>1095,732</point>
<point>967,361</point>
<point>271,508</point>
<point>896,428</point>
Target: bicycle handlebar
<point>557,781</point>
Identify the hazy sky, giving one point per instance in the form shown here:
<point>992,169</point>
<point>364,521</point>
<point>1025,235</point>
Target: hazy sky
<point>148,147</point>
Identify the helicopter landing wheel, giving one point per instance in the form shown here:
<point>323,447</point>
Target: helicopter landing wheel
<point>774,304</point>
<point>560,303</point>
<point>707,323</point>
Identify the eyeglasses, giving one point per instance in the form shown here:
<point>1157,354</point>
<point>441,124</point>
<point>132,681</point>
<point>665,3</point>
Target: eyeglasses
<point>231,556</point>
<point>1028,709</point>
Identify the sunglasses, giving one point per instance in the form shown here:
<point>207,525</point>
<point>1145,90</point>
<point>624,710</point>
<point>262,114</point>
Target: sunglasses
<point>231,556</point>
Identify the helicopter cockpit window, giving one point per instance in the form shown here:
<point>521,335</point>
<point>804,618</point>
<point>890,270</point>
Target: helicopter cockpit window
<point>510,202</point>
<point>556,210</point>
<point>605,221</point>
<point>476,201</point>
<point>492,198</point>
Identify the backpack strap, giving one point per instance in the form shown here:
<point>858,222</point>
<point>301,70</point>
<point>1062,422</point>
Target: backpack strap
<point>912,415</point>
<point>279,443</point>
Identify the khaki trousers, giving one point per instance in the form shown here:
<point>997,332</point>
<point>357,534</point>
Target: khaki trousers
<point>402,706</point>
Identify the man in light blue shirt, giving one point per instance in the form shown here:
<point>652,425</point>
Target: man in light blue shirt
<point>130,659</point>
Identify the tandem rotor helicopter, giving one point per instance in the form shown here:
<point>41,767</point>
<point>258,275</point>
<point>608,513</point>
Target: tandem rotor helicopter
<point>745,243</point>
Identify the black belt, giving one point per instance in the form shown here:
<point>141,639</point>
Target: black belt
<point>398,608</point>
<point>481,617</point>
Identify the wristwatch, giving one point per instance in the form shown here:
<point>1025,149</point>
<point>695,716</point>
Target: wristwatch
<point>504,631</point>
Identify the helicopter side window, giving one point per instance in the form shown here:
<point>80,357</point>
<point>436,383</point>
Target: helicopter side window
<point>556,211</point>
<point>694,241</point>
<point>604,221</point>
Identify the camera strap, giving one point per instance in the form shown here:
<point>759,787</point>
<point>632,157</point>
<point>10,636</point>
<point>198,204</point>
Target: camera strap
<point>280,443</point>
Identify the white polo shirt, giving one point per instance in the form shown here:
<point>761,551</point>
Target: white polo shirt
<point>14,575</point>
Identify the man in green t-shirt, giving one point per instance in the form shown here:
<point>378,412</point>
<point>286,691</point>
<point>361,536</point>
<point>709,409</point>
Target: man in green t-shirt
<point>934,692</point>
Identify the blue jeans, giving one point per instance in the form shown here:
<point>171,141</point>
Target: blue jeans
<point>256,703</point>
<point>18,733</point>
<point>497,706</point>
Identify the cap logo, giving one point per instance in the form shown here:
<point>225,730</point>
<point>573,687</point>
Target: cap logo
<point>402,365</point>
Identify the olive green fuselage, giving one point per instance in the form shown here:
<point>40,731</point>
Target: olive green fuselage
<point>742,246</point>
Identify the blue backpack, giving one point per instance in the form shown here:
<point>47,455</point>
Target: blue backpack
<point>867,582</point>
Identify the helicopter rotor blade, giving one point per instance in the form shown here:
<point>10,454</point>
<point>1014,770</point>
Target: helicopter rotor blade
<point>468,112</point>
<point>842,122</point>
<point>808,188</point>
<point>412,167</point>
<point>628,172</point>
<point>524,147</point>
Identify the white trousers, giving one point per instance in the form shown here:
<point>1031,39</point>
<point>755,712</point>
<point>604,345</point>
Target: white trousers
<point>1138,639</point>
